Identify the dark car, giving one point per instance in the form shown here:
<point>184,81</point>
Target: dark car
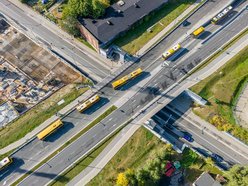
<point>188,138</point>
<point>216,157</point>
<point>186,23</point>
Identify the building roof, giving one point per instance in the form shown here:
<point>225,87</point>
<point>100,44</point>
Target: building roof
<point>119,18</point>
<point>206,180</point>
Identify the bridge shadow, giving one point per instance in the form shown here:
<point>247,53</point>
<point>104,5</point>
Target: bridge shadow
<point>67,126</point>
<point>62,179</point>
<point>204,35</point>
<point>133,82</point>
<point>7,171</point>
<point>103,101</point>
<point>227,18</point>
<point>177,55</point>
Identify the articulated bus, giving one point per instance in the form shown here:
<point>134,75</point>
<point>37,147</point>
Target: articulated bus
<point>198,32</point>
<point>171,51</point>
<point>50,129</point>
<point>136,73</point>
<point>5,162</point>
<point>125,79</point>
<point>85,105</point>
<point>120,82</point>
<point>221,15</point>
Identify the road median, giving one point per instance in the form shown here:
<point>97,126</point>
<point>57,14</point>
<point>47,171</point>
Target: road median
<point>74,138</point>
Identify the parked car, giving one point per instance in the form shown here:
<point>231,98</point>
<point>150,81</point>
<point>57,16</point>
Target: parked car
<point>216,157</point>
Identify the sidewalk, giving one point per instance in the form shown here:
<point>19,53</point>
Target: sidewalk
<point>161,34</point>
<point>98,164</point>
<point>62,34</point>
<point>88,93</point>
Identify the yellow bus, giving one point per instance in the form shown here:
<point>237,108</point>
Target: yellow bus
<point>88,103</point>
<point>136,73</point>
<point>171,51</point>
<point>120,82</point>
<point>5,162</point>
<point>221,15</point>
<point>125,79</point>
<point>50,129</point>
<point>198,31</point>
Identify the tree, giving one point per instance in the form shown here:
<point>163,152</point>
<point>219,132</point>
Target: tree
<point>70,25</point>
<point>130,175</point>
<point>209,162</point>
<point>122,179</point>
<point>142,176</point>
<point>237,175</point>
<point>85,8</point>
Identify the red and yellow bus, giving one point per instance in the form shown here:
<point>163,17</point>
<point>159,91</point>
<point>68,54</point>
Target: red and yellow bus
<point>85,105</point>
<point>5,162</point>
<point>50,129</point>
<point>198,32</point>
<point>126,78</point>
<point>171,51</point>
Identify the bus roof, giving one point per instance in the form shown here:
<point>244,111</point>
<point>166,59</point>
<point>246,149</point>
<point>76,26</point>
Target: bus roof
<point>4,162</point>
<point>49,129</point>
<point>198,31</point>
<point>120,81</point>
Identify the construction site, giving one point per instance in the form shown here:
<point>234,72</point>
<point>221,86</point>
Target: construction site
<point>28,73</point>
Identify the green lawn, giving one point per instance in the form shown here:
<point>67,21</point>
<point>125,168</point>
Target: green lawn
<point>222,89</point>
<point>81,164</point>
<point>138,36</point>
<point>72,173</point>
<point>142,148</point>
<point>37,115</point>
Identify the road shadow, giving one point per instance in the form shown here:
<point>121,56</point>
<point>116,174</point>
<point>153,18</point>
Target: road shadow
<point>103,101</point>
<point>51,176</point>
<point>7,171</point>
<point>183,51</point>
<point>67,126</point>
<point>133,82</point>
<point>230,15</point>
<point>204,35</point>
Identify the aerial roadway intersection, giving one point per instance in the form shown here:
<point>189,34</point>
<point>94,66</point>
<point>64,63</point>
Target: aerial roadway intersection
<point>155,72</point>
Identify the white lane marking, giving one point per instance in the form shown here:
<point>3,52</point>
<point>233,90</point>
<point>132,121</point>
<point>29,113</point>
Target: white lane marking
<point>207,141</point>
<point>4,173</point>
<point>110,119</point>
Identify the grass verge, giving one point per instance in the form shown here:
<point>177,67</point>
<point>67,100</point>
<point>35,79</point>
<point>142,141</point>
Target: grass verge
<point>84,162</point>
<point>38,114</point>
<point>138,35</point>
<point>139,151</point>
<point>217,54</point>
<point>222,90</point>
<point>93,123</point>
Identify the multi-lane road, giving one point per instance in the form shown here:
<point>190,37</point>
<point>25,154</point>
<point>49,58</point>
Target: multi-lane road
<point>40,33</point>
<point>32,153</point>
<point>169,74</point>
<point>200,135</point>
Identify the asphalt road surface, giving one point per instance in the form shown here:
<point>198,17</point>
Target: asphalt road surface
<point>166,77</point>
<point>202,137</point>
<point>52,40</point>
<point>35,151</point>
